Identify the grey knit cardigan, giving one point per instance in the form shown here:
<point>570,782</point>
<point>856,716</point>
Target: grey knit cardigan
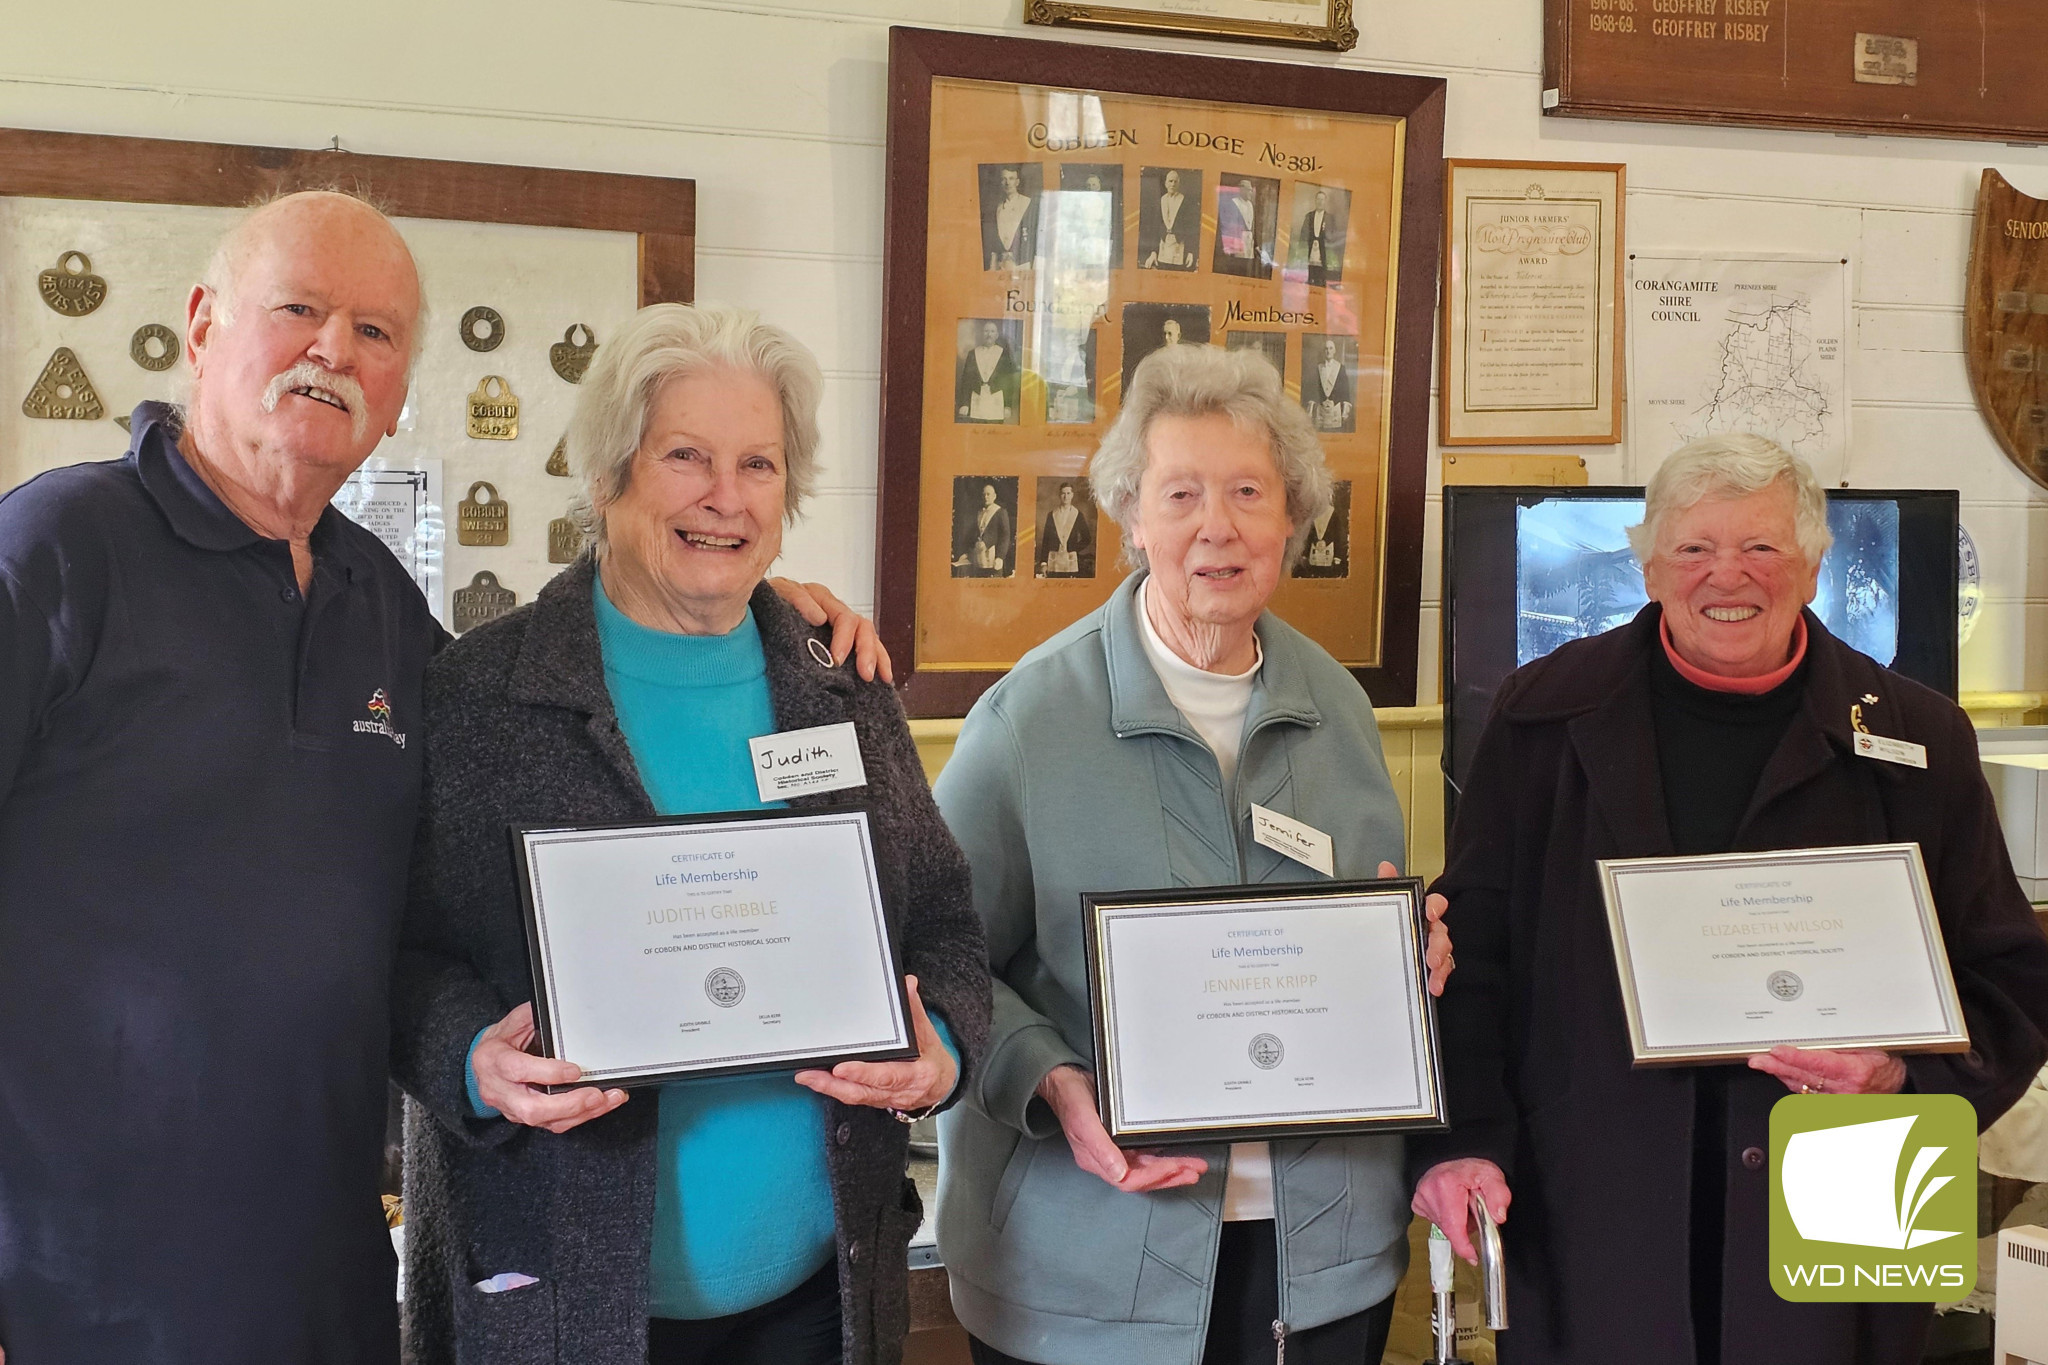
<point>522,731</point>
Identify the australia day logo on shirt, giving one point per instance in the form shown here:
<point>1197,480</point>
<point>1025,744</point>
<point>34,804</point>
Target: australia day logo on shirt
<point>380,720</point>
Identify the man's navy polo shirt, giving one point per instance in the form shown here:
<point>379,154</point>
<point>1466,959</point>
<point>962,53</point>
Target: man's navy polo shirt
<point>207,792</point>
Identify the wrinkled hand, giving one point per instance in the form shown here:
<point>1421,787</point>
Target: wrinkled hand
<point>507,1074</point>
<point>1444,1197</point>
<point>916,1084</point>
<point>1822,1071</point>
<point>851,632</point>
<point>1437,957</point>
<point>1071,1093</point>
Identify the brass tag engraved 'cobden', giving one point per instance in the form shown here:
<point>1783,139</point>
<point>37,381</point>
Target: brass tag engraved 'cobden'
<point>558,463</point>
<point>483,328</point>
<point>483,600</point>
<point>485,521</point>
<point>165,353</point>
<point>565,542</point>
<point>493,417</point>
<point>72,290</point>
<point>571,357</point>
<point>2005,332</point>
<point>62,391</point>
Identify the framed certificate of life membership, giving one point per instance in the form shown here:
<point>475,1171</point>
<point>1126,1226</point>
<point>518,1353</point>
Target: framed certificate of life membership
<point>1725,956</point>
<point>1242,1013</point>
<point>711,945</point>
<point>1532,282</point>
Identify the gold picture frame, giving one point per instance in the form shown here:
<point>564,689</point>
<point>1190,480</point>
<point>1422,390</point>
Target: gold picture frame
<point>1257,21</point>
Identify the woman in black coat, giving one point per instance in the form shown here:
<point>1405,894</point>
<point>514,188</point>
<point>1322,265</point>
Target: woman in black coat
<point>759,1219</point>
<point>1719,720</point>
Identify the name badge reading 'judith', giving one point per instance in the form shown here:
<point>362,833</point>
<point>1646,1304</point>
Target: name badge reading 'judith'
<point>825,758</point>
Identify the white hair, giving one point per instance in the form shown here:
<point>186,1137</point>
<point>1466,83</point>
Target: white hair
<point>1733,466</point>
<point>1201,381</point>
<point>665,341</point>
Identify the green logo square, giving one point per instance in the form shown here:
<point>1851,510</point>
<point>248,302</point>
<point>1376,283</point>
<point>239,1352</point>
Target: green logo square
<point>1873,1198</point>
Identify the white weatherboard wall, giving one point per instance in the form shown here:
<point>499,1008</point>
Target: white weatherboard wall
<point>778,112</point>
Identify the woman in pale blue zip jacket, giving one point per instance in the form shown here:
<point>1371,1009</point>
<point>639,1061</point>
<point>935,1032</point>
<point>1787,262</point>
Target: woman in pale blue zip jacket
<point>1127,752</point>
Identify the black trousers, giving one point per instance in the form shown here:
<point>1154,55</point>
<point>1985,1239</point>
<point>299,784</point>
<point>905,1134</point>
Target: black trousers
<point>1246,1303</point>
<point>800,1328</point>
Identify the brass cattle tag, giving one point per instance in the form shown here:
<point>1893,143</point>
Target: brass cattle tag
<point>154,346</point>
<point>483,600</point>
<point>126,424</point>
<point>485,522</point>
<point>565,542</point>
<point>483,328</point>
<point>493,417</point>
<point>571,357</point>
<point>558,463</point>
<point>72,290</point>
<point>63,391</point>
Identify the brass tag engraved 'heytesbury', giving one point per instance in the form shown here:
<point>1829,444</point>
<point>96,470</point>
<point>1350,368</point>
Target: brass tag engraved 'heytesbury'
<point>483,600</point>
<point>558,463</point>
<point>483,328</point>
<point>72,290</point>
<point>62,391</point>
<point>163,356</point>
<point>2005,333</point>
<point>565,542</point>
<point>493,417</point>
<point>485,521</point>
<point>571,357</point>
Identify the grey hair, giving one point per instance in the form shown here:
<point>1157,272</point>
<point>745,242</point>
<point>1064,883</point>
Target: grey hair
<point>665,341</point>
<point>1733,466</point>
<point>1201,381</point>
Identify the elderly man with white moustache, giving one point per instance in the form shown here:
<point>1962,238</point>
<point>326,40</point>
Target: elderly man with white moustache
<point>203,854</point>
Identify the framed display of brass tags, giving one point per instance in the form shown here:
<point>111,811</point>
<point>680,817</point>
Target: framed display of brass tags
<point>571,357</point>
<point>72,289</point>
<point>1059,212</point>
<point>483,600</point>
<point>1298,23</point>
<point>483,521</point>
<point>493,417</point>
<point>1532,327</point>
<point>154,346</point>
<point>62,391</point>
<point>483,329</point>
<point>565,542</point>
<point>558,462</point>
<point>2005,321</point>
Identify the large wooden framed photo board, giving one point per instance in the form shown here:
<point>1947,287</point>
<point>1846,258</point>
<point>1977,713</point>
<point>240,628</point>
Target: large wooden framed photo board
<point>1056,213</point>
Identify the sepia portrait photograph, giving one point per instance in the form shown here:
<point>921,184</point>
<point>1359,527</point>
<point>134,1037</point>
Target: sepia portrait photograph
<point>1315,248</point>
<point>1085,178</point>
<point>985,526</point>
<point>991,372</point>
<point>1009,214</point>
<point>1272,345</point>
<point>1247,225</point>
<point>1149,326</point>
<point>1066,533</point>
<point>1327,551</point>
<point>1067,364</point>
<point>1169,218</point>
<point>1329,372</point>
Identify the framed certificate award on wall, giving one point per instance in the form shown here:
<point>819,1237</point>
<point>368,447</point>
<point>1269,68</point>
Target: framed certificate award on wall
<point>1532,323</point>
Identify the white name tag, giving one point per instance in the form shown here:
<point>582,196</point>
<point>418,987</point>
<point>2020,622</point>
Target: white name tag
<point>1304,843</point>
<point>806,762</point>
<point>1891,750</point>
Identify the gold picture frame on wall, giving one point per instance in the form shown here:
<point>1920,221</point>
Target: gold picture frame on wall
<point>1298,23</point>
<point>1058,212</point>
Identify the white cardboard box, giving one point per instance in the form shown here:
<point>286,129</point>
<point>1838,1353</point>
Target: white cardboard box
<point>2022,1297</point>
<point>2019,785</point>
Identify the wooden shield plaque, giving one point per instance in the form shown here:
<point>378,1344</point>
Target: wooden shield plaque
<point>2006,321</point>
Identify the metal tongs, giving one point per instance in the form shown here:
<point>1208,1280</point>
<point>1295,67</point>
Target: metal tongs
<point>1493,1282</point>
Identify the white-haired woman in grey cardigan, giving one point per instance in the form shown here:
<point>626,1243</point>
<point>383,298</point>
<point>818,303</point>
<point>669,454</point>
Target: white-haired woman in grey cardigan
<point>1126,752</point>
<point>750,1220</point>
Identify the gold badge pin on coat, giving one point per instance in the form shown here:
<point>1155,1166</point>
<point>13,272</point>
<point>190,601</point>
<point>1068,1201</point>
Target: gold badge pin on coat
<point>565,542</point>
<point>483,521</point>
<point>558,463</point>
<point>571,357</point>
<point>63,392</point>
<point>70,287</point>
<point>154,346</point>
<point>493,416</point>
<point>483,600</point>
